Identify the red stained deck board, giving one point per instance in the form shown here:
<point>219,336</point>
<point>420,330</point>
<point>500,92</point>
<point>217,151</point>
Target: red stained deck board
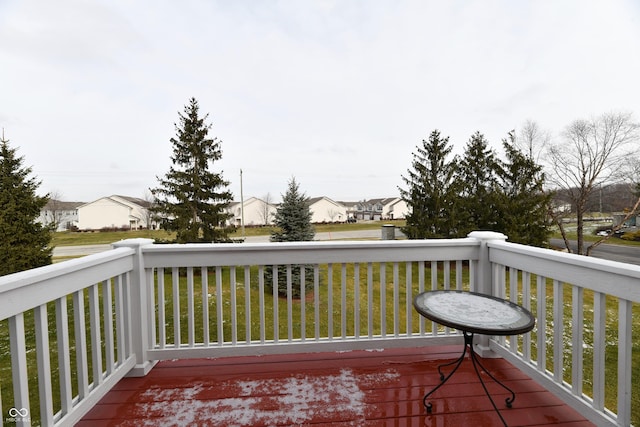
<point>357,388</point>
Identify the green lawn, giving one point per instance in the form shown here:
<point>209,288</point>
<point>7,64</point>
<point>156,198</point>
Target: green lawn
<point>67,238</point>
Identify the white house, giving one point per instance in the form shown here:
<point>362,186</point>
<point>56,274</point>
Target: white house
<point>395,208</point>
<point>256,212</point>
<point>114,212</point>
<point>323,209</point>
<point>380,209</point>
<point>63,214</point>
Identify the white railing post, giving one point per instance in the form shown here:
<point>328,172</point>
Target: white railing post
<point>140,312</point>
<point>484,280</point>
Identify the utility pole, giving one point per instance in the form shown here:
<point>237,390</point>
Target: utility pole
<point>241,206</point>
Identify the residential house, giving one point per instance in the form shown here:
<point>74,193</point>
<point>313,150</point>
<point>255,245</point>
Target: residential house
<point>380,209</point>
<point>395,208</point>
<point>256,212</point>
<point>62,215</point>
<point>115,212</point>
<point>323,209</point>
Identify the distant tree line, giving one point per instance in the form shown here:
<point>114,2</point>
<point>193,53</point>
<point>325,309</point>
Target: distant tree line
<point>605,199</point>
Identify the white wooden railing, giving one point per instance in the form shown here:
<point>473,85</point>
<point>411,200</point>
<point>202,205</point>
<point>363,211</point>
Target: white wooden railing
<point>587,308</point>
<point>119,312</point>
<point>69,332</point>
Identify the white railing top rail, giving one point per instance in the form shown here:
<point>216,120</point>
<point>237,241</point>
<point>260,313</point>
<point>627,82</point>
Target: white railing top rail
<point>196,255</point>
<point>618,279</point>
<point>26,290</point>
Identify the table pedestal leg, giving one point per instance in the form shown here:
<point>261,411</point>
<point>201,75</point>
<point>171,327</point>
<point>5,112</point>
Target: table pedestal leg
<point>468,342</point>
<point>444,379</point>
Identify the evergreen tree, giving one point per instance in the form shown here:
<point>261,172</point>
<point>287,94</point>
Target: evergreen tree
<point>477,177</point>
<point>293,224</point>
<point>432,191</point>
<point>191,199</point>
<point>523,205</point>
<point>24,242</point>
<point>293,217</point>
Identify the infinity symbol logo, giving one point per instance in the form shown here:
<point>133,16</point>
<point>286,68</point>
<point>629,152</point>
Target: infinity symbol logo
<point>23,412</point>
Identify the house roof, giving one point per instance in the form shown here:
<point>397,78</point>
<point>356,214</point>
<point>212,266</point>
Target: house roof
<point>249,201</point>
<point>59,205</point>
<point>382,201</point>
<point>124,200</point>
<point>136,200</point>
<point>313,200</point>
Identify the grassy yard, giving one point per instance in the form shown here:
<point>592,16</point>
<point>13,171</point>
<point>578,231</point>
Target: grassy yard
<point>67,238</point>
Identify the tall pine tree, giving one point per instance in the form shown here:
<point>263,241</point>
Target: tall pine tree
<point>432,192</point>
<point>24,242</point>
<point>191,198</point>
<point>477,176</point>
<point>522,202</point>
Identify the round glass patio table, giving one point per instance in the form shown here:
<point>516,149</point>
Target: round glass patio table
<point>473,313</point>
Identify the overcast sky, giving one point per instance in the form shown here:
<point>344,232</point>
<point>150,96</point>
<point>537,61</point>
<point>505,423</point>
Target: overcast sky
<point>336,93</point>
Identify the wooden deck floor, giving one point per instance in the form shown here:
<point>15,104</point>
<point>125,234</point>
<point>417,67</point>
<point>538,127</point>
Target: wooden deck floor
<point>357,388</point>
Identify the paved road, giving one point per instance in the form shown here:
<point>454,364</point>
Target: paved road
<point>74,251</point>
<point>336,235</point>
<point>628,254</point>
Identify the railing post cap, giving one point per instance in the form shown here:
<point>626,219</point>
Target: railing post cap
<point>487,235</point>
<point>132,243</point>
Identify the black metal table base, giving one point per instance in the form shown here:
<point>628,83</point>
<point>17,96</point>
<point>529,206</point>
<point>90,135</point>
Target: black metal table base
<point>468,342</point>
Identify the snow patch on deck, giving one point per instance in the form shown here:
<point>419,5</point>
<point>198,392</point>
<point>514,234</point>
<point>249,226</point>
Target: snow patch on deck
<point>283,401</point>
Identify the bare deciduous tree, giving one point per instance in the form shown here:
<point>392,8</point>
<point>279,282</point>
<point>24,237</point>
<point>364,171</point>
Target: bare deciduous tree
<point>265,209</point>
<point>532,139</point>
<point>590,153</point>
<point>55,210</point>
<point>150,218</point>
<point>332,214</point>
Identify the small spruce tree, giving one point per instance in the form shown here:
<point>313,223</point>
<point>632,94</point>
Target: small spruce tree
<point>24,242</point>
<point>293,224</point>
<point>293,217</point>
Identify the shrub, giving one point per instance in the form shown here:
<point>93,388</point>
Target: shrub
<point>296,275</point>
<point>631,236</point>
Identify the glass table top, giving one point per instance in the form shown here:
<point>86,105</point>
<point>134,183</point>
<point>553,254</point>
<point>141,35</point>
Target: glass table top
<point>473,312</point>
